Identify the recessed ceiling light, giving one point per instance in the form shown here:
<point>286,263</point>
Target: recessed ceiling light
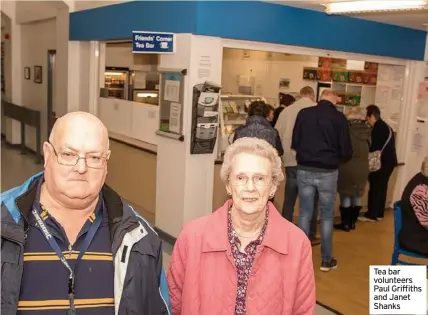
<point>364,6</point>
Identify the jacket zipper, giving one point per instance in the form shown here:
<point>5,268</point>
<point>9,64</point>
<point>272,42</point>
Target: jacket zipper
<point>70,249</point>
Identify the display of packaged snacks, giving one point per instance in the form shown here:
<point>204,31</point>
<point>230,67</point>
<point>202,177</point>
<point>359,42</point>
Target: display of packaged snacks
<point>369,78</point>
<point>324,75</point>
<point>340,76</point>
<point>356,77</point>
<point>310,73</point>
<point>371,66</point>
<point>324,62</point>
<point>338,64</point>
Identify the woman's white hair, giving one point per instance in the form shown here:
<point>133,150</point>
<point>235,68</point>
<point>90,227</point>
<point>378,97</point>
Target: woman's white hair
<point>253,146</point>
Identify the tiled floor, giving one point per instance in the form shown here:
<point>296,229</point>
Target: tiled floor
<point>16,168</point>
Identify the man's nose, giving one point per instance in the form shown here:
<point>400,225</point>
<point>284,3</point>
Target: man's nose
<point>81,166</point>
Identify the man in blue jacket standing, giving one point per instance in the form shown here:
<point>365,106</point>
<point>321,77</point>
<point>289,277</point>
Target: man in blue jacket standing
<point>70,243</point>
<point>321,140</point>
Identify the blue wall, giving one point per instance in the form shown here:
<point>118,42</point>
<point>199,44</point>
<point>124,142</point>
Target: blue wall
<point>118,21</point>
<point>249,20</point>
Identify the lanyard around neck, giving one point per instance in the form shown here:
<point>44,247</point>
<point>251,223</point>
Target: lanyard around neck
<point>54,245</point>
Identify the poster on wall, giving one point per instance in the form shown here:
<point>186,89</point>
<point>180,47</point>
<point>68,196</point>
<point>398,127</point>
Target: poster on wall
<point>284,83</point>
<point>174,117</point>
<point>172,90</point>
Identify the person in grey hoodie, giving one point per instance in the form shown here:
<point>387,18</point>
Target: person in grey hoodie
<point>353,173</point>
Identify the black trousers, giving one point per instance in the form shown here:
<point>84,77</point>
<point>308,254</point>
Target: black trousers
<point>377,192</point>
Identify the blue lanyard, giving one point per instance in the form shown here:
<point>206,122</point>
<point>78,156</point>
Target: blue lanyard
<point>50,239</point>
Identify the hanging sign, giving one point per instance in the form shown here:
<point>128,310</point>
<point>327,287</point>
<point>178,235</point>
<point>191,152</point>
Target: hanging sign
<point>153,42</point>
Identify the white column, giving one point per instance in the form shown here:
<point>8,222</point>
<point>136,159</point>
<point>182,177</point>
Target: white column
<point>184,183</point>
<point>94,77</point>
<point>14,84</point>
<point>409,123</point>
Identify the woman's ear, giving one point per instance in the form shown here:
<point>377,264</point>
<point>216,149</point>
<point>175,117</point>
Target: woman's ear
<point>228,190</point>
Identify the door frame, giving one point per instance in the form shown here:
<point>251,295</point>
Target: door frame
<point>50,85</point>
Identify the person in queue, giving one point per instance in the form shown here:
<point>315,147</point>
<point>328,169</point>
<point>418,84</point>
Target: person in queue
<point>414,210</point>
<point>285,126</point>
<point>321,140</point>
<point>382,139</point>
<point>353,173</point>
<point>70,242</point>
<point>270,112</point>
<point>285,100</point>
<point>222,262</point>
<point>258,126</point>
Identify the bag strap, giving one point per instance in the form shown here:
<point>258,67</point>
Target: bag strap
<point>389,139</point>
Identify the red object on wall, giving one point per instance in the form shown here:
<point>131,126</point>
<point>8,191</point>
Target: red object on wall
<point>6,36</point>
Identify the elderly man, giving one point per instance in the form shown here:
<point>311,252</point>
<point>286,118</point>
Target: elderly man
<point>70,243</point>
<point>321,140</point>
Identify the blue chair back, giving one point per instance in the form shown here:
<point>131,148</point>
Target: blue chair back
<point>398,223</point>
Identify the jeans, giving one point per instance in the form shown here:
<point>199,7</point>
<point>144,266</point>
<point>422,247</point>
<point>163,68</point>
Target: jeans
<point>290,196</point>
<point>347,201</point>
<point>325,183</point>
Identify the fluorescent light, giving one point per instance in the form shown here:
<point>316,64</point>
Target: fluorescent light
<point>146,95</point>
<point>373,6</point>
<point>113,73</point>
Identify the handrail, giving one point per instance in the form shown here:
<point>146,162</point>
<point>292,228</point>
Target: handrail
<point>29,117</point>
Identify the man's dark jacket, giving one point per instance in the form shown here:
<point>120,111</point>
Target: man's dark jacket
<point>321,137</point>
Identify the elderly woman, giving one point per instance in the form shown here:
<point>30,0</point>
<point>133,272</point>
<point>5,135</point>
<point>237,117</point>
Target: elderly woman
<point>353,173</point>
<point>414,208</point>
<point>244,258</point>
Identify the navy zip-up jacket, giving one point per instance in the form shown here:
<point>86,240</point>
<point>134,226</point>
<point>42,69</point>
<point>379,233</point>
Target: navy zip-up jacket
<point>321,137</point>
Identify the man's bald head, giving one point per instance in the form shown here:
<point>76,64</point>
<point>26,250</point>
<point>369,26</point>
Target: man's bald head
<point>84,122</point>
<point>329,95</point>
<point>76,159</point>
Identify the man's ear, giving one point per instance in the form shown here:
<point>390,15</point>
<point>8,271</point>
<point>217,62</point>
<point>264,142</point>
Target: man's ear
<point>47,151</point>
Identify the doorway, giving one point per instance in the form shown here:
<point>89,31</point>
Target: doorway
<point>51,90</point>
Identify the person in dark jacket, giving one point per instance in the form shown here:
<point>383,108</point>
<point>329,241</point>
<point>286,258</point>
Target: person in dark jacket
<point>285,100</point>
<point>69,241</point>
<point>414,209</point>
<point>353,173</point>
<point>321,140</point>
<point>257,126</point>
<point>382,139</point>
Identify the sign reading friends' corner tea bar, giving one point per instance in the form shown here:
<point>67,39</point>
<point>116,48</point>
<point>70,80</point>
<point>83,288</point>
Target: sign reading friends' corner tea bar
<point>152,42</point>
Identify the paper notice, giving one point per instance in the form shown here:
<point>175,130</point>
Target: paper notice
<point>172,91</point>
<point>382,96</point>
<point>174,118</point>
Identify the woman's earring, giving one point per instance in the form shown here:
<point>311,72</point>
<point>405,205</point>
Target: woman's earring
<point>229,193</point>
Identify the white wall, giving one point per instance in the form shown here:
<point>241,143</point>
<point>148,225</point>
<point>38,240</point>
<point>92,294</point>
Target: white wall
<point>120,55</point>
<point>36,39</point>
<point>86,5</point>
<point>267,69</point>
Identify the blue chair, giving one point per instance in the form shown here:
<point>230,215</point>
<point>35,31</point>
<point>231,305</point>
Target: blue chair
<point>397,250</point>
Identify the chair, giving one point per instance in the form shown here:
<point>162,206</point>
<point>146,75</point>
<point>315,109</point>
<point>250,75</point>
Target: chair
<point>397,250</point>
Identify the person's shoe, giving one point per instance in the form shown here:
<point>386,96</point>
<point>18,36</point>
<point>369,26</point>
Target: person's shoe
<point>363,218</point>
<point>379,219</point>
<point>315,241</point>
<point>355,212</point>
<point>345,215</point>
<point>328,265</point>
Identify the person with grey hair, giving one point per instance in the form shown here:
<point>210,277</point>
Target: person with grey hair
<point>221,262</point>
<point>414,209</point>
<point>353,173</point>
<point>285,125</point>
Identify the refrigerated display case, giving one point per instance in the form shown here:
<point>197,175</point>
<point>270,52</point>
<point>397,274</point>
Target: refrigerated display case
<point>145,96</point>
<point>233,114</point>
<point>116,82</point>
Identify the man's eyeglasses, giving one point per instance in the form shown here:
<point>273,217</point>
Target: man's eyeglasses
<point>258,180</point>
<point>69,158</point>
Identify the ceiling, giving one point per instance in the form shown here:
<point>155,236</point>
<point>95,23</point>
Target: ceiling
<point>411,19</point>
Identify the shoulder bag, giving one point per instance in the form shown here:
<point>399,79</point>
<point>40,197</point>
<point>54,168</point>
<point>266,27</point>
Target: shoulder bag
<point>375,157</point>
